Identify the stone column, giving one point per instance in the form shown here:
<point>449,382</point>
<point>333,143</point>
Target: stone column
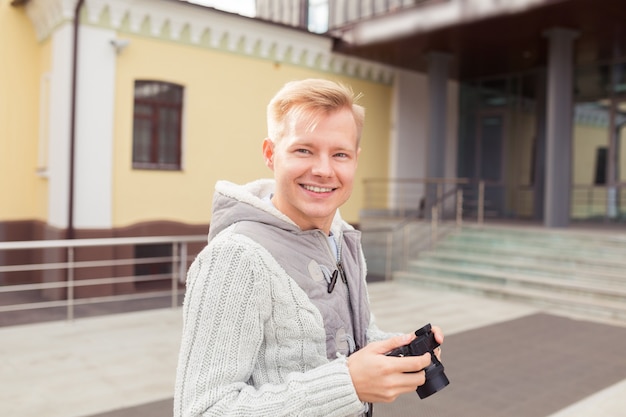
<point>540,149</point>
<point>559,127</point>
<point>438,68</point>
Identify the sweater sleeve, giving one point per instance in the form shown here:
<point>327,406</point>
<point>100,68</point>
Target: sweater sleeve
<point>227,306</point>
<point>375,334</point>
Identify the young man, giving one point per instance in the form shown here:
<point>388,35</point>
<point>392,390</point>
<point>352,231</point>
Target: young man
<point>276,316</point>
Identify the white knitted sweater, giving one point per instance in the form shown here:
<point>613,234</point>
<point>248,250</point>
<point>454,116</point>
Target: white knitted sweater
<point>253,343</point>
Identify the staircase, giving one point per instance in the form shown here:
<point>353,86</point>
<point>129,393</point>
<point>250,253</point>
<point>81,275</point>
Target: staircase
<point>581,272</point>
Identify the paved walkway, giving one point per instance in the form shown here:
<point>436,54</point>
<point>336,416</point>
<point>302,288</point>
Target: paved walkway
<point>502,358</point>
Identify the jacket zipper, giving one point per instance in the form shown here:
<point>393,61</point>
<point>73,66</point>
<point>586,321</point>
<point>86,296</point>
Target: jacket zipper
<point>340,272</point>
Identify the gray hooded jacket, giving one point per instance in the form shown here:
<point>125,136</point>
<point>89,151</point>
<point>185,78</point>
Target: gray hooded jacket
<point>262,334</point>
<point>307,258</point>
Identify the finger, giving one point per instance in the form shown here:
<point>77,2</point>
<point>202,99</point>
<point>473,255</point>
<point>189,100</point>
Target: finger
<point>438,352</point>
<point>410,381</point>
<point>386,346</point>
<point>438,334</point>
<point>410,364</point>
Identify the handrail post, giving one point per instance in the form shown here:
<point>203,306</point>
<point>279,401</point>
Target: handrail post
<point>403,199</point>
<point>433,225</point>
<point>70,283</point>
<point>182,272</point>
<point>440,199</point>
<point>481,202</point>
<point>405,248</point>
<point>459,208</point>
<point>175,272</point>
<point>388,255</point>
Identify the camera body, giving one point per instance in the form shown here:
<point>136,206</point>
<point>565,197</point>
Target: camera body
<point>436,380</point>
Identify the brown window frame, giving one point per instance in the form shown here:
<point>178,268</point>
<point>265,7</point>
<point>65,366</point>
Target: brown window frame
<point>155,106</point>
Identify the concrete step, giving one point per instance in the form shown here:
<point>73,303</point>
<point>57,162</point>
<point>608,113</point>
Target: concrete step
<point>546,238</point>
<point>563,269</point>
<point>576,269</point>
<point>577,303</point>
<point>610,257</point>
<point>592,243</point>
<point>594,289</point>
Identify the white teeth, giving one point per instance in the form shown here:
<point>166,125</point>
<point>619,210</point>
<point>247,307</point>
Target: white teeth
<point>317,189</point>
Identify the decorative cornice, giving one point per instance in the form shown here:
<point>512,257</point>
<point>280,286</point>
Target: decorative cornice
<point>181,22</point>
<point>47,15</point>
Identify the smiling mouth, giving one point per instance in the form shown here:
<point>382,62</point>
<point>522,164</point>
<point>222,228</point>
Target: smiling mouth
<point>317,189</point>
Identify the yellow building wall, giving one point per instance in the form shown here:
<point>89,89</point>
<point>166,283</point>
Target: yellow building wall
<point>226,95</point>
<point>22,191</point>
<point>587,140</point>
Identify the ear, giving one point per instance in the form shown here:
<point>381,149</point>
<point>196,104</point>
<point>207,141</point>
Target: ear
<point>268,153</point>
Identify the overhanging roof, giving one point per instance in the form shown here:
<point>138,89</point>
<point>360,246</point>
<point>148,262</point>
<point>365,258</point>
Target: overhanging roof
<point>491,42</point>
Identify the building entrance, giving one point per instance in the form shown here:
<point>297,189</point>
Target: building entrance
<point>498,131</point>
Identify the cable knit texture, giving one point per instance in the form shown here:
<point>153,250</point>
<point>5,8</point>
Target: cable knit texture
<point>253,342</point>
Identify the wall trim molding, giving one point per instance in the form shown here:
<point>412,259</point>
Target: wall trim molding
<point>191,24</point>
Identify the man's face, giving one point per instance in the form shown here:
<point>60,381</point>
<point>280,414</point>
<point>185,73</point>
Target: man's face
<point>314,169</point>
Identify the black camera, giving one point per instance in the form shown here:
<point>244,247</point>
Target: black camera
<point>436,380</point>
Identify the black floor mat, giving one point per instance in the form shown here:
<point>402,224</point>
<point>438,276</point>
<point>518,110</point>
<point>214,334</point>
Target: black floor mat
<point>529,367</point>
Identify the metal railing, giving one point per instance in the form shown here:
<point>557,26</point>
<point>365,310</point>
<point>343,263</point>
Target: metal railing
<point>64,273</point>
<point>437,211</point>
<point>589,203</point>
<point>398,222</point>
<point>415,197</point>
<point>389,247</point>
<point>600,202</point>
<point>487,200</point>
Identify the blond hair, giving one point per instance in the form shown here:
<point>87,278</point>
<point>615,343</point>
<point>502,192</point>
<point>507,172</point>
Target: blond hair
<point>307,100</point>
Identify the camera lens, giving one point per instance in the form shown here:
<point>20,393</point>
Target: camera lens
<point>436,380</point>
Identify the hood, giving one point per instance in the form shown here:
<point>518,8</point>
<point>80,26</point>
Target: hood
<point>233,203</point>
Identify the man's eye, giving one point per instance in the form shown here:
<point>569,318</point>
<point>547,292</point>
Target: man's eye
<point>341,155</point>
<point>305,151</point>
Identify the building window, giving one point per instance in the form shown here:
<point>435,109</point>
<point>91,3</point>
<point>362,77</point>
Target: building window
<point>318,16</point>
<point>157,125</point>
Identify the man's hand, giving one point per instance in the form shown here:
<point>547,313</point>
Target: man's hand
<point>380,378</point>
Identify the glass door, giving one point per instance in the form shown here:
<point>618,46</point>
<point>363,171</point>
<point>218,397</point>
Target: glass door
<point>490,138</point>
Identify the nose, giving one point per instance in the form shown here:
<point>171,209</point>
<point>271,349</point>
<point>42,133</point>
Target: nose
<point>322,166</point>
